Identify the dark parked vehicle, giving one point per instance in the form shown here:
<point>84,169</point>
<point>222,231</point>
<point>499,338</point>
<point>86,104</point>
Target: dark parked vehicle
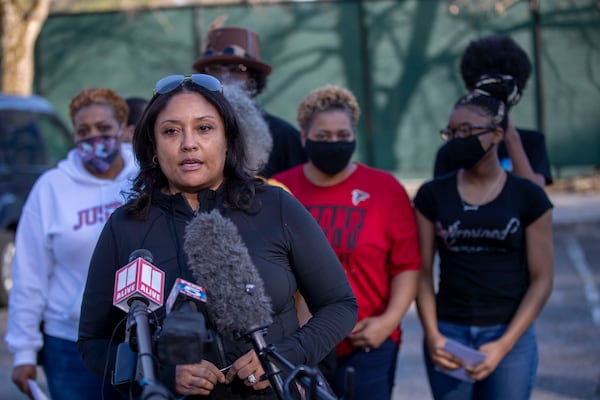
<point>32,139</point>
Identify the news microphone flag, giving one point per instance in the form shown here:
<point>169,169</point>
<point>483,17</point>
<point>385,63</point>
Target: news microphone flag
<point>139,279</point>
<point>184,291</point>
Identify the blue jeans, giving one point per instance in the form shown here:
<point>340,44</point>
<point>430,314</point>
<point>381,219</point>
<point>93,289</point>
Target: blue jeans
<point>513,378</point>
<point>67,377</point>
<point>373,372</point>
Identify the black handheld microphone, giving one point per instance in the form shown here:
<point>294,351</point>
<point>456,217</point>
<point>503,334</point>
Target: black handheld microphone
<point>184,338</point>
<point>128,283</point>
<point>139,287</point>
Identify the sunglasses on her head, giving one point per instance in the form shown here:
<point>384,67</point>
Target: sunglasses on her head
<point>172,82</point>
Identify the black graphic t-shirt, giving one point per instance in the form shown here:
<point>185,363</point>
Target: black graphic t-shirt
<point>483,258</point>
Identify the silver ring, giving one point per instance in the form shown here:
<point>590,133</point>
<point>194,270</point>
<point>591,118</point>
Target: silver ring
<point>367,349</point>
<point>252,379</point>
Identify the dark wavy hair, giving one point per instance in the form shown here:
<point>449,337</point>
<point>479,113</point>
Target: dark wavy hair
<point>239,186</point>
<point>493,95</point>
<point>494,55</point>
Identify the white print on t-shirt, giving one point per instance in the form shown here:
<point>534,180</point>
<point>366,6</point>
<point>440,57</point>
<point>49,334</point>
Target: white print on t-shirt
<point>453,234</point>
<point>358,196</point>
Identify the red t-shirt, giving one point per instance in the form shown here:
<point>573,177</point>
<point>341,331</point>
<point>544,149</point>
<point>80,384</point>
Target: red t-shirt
<point>369,221</point>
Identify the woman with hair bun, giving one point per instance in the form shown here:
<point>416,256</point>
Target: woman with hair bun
<point>492,231</point>
<point>522,151</point>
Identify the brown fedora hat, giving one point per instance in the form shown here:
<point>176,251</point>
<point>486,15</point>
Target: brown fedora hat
<point>232,45</point>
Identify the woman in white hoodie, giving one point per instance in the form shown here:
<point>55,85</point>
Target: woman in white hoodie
<point>57,233</point>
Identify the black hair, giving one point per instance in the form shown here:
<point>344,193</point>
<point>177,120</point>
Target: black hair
<point>259,80</point>
<point>494,95</point>
<point>136,108</point>
<point>494,55</point>
<point>239,186</point>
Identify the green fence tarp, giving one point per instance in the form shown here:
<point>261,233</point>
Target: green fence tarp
<point>400,58</point>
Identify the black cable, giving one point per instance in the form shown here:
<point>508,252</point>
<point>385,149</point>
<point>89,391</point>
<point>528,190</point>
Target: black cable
<point>112,336</point>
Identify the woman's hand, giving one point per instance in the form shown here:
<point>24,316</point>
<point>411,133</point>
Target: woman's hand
<point>521,165</point>
<point>21,374</point>
<point>249,369</point>
<point>494,353</point>
<point>440,357</point>
<point>370,333</point>
<point>198,378</point>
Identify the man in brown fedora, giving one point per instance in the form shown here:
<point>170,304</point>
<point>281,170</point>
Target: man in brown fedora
<point>233,54</point>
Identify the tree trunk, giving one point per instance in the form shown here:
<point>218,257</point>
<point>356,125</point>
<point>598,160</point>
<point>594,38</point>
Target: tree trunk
<point>20,30</point>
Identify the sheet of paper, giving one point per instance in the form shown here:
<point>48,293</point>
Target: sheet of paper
<point>468,355</point>
<point>36,391</point>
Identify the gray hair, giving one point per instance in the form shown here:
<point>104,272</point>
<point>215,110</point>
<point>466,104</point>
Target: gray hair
<point>253,127</point>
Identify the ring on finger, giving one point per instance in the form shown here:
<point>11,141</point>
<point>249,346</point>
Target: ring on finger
<point>252,379</point>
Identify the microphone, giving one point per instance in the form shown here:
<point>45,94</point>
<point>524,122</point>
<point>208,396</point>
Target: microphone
<point>138,291</point>
<point>238,305</point>
<point>184,338</point>
<point>219,260</point>
<point>139,280</point>
<point>184,294</point>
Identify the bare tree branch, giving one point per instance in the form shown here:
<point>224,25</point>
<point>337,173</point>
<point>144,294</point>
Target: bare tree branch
<point>19,30</point>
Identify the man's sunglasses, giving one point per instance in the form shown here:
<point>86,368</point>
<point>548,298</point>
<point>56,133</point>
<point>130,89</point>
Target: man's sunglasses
<point>218,69</point>
<point>230,51</point>
<point>172,82</point>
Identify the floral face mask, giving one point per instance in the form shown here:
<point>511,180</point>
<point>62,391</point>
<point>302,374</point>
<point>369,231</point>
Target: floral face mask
<point>98,153</point>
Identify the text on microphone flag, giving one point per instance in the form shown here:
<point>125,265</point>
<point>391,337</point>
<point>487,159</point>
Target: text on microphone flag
<point>139,276</point>
<point>181,287</point>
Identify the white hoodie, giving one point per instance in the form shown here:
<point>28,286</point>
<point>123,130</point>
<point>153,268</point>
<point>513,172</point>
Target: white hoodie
<point>57,233</point>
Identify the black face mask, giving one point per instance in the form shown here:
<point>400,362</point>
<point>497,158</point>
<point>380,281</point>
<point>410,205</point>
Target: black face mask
<point>463,152</point>
<point>329,157</point>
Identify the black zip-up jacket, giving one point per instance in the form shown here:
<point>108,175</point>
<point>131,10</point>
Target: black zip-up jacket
<point>285,244</point>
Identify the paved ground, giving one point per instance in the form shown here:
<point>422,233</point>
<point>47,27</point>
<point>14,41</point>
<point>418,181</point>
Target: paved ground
<point>568,328</point>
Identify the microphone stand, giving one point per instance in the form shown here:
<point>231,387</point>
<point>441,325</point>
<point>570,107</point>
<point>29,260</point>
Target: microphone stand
<point>305,375</point>
<point>271,370</point>
<point>152,389</point>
